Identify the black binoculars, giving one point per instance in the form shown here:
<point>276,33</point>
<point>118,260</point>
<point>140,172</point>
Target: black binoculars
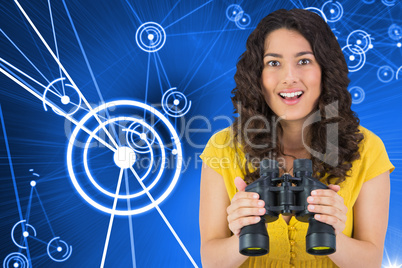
<point>286,195</point>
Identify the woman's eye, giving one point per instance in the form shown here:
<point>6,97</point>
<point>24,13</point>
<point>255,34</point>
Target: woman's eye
<point>273,63</point>
<point>304,61</point>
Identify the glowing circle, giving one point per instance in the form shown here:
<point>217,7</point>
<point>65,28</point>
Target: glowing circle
<point>395,32</point>
<point>385,74</point>
<point>355,61</point>
<point>333,11</point>
<point>317,11</point>
<point>399,44</point>
<point>397,72</point>
<point>336,32</point>
<point>143,132</point>
<point>150,37</point>
<point>358,39</point>
<point>24,230</point>
<point>83,160</point>
<point>93,180</point>
<point>357,95</point>
<point>169,100</point>
<point>33,183</point>
<point>62,252</point>
<point>244,22</point>
<point>389,3</point>
<point>65,100</point>
<point>16,259</point>
<point>124,157</point>
<point>234,12</point>
<point>174,151</point>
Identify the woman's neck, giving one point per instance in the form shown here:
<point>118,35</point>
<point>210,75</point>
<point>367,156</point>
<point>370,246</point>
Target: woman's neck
<point>292,136</point>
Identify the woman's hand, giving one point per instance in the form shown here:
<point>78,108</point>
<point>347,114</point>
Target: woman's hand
<point>329,206</point>
<point>245,208</point>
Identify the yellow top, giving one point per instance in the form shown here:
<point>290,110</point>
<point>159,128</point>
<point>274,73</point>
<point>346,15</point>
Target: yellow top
<point>287,242</point>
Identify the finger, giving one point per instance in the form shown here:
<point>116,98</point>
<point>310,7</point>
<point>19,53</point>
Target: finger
<point>328,193</point>
<point>325,192</point>
<point>245,212</point>
<point>335,188</point>
<point>329,211</point>
<point>240,184</point>
<point>248,203</point>
<point>245,195</point>
<point>235,226</point>
<point>244,203</point>
<point>338,225</point>
<point>325,200</point>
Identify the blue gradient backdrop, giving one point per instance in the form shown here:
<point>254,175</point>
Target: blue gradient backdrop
<point>199,57</point>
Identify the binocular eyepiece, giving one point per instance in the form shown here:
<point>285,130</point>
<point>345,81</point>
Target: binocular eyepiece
<point>286,195</point>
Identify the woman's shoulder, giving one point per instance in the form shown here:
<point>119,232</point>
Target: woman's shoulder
<point>374,159</point>
<point>365,131</point>
<point>222,140</point>
<point>223,155</point>
<point>223,144</point>
<point>370,139</point>
<point>222,135</point>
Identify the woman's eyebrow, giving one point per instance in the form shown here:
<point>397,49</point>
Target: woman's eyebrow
<point>276,55</point>
<point>304,53</point>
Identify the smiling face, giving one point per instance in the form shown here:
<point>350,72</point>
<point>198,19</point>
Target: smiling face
<point>291,77</point>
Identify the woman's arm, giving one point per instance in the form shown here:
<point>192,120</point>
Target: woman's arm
<point>219,248</point>
<point>366,247</point>
<point>222,219</point>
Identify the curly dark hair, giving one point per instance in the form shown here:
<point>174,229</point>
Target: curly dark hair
<point>249,102</point>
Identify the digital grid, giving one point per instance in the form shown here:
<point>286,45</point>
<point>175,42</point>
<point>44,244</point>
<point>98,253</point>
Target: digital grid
<point>126,154</point>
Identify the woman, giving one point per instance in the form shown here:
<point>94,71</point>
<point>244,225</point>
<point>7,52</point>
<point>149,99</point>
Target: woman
<point>293,69</point>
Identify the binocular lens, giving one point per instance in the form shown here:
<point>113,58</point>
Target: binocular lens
<point>321,248</point>
<point>254,251</point>
<point>254,240</point>
<point>320,239</point>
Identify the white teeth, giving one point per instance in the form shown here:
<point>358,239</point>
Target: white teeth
<point>290,95</point>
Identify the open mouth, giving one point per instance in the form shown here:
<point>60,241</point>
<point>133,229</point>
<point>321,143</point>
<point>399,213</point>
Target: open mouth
<point>291,96</point>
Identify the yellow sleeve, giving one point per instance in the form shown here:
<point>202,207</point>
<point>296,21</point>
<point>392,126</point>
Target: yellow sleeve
<point>376,160</point>
<point>216,154</point>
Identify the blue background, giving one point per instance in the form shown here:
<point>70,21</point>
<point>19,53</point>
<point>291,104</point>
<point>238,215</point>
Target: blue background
<point>199,57</point>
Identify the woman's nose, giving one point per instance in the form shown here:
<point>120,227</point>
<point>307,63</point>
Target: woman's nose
<point>289,75</point>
